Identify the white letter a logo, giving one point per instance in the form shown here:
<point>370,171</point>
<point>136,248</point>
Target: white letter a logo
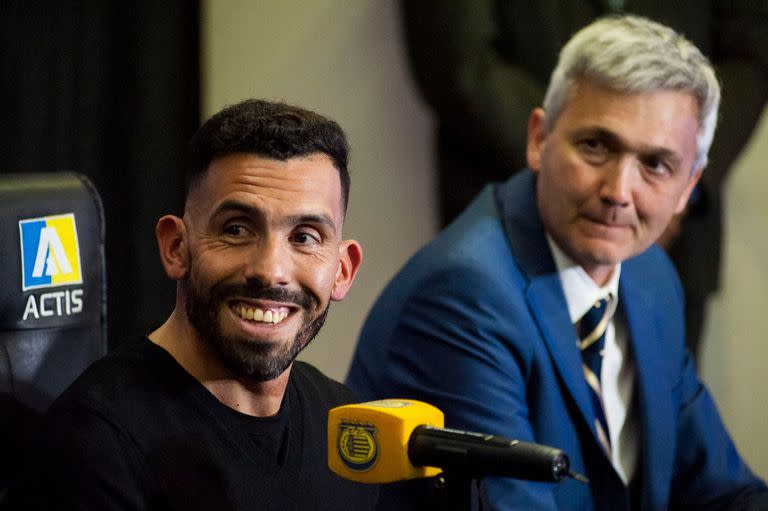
<point>50,246</point>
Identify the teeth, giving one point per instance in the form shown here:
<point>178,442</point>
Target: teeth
<point>268,316</point>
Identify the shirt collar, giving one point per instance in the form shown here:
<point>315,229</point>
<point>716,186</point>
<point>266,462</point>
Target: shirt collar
<point>580,290</point>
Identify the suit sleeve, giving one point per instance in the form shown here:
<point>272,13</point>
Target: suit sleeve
<point>456,344</point>
<point>708,469</point>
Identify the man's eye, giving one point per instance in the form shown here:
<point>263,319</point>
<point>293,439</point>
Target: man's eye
<point>304,238</point>
<point>234,230</point>
<point>657,166</point>
<point>592,145</point>
<point>593,150</point>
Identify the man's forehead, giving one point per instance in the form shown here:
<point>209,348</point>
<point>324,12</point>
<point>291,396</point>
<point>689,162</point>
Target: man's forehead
<point>245,177</point>
<point>616,111</point>
<point>592,97</point>
<point>242,170</point>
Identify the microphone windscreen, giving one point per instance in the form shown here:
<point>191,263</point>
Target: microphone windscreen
<point>368,442</point>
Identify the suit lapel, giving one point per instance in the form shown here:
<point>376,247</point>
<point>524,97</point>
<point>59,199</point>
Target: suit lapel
<point>516,200</point>
<point>652,400</point>
<point>548,306</point>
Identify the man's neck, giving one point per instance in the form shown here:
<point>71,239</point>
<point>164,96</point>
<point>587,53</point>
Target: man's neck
<point>181,340</point>
<point>580,288</point>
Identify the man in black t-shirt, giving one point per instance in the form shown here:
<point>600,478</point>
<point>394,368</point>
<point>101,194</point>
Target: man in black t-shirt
<point>210,411</point>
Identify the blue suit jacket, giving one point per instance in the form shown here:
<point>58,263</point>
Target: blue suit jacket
<point>477,324</point>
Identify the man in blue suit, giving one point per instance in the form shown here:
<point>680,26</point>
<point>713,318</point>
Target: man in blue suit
<point>486,321</point>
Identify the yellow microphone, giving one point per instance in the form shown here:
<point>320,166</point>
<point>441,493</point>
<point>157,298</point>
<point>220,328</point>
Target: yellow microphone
<point>368,442</point>
<point>399,439</point>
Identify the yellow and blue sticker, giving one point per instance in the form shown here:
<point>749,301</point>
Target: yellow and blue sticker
<point>358,446</point>
<point>50,253</point>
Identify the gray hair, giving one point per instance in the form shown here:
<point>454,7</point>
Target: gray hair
<point>633,54</point>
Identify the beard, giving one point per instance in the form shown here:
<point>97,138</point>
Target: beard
<point>255,358</point>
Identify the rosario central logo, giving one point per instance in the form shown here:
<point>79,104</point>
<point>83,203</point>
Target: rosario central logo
<point>50,254</point>
<point>357,445</point>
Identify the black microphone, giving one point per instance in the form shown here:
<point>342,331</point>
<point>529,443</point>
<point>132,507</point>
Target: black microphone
<point>400,439</point>
<point>477,455</point>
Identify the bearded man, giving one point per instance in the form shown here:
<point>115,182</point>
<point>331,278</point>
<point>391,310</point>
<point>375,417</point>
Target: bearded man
<point>210,410</point>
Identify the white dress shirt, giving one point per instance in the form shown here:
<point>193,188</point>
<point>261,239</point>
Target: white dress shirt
<point>617,374</point>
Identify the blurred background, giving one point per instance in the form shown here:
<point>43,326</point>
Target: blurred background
<point>114,91</point>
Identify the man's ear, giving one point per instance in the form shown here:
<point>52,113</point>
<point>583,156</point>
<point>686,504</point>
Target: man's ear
<point>537,133</point>
<point>171,234</point>
<point>350,258</point>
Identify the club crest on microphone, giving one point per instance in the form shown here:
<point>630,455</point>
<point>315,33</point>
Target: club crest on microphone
<point>357,445</point>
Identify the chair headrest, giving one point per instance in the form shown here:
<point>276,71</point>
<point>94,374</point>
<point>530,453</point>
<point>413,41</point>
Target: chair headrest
<point>51,248</point>
<point>53,284</point>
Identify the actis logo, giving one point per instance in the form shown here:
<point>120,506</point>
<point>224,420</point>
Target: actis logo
<point>50,258</point>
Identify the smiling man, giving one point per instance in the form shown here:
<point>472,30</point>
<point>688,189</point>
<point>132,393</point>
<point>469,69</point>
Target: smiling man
<point>211,410</point>
<point>546,313</point>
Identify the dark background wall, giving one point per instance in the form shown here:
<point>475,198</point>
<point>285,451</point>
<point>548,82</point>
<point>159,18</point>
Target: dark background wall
<point>111,90</point>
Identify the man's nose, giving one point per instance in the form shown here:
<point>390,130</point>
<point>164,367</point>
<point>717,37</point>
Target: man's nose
<point>269,262</point>
<point>616,189</point>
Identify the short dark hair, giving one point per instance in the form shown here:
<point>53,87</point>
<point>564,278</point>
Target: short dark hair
<point>269,129</point>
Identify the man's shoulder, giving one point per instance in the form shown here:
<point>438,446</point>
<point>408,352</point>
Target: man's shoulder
<point>498,234</point>
<point>651,266</point>
<point>651,280</point>
<point>476,236</point>
<point>137,371</point>
<point>313,384</point>
<point>492,241</point>
<point>471,265</point>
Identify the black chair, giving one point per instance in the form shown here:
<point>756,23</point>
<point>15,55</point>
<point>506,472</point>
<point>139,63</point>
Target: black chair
<point>52,298</point>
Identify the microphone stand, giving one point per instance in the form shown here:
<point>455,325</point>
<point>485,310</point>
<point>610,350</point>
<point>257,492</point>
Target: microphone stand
<point>456,491</point>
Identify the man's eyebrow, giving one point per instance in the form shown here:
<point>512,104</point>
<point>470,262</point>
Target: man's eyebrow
<point>614,141</point>
<point>231,205</point>
<point>313,219</point>
<point>248,210</point>
<point>663,154</point>
<point>609,138</point>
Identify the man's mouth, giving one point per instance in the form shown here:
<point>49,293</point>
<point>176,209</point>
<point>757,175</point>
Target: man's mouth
<point>273,316</point>
<point>613,223</point>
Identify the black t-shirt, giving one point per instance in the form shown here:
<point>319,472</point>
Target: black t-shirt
<point>136,431</point>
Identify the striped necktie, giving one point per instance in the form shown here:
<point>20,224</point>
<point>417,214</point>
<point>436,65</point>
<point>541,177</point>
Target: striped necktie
<point>591,328</point>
